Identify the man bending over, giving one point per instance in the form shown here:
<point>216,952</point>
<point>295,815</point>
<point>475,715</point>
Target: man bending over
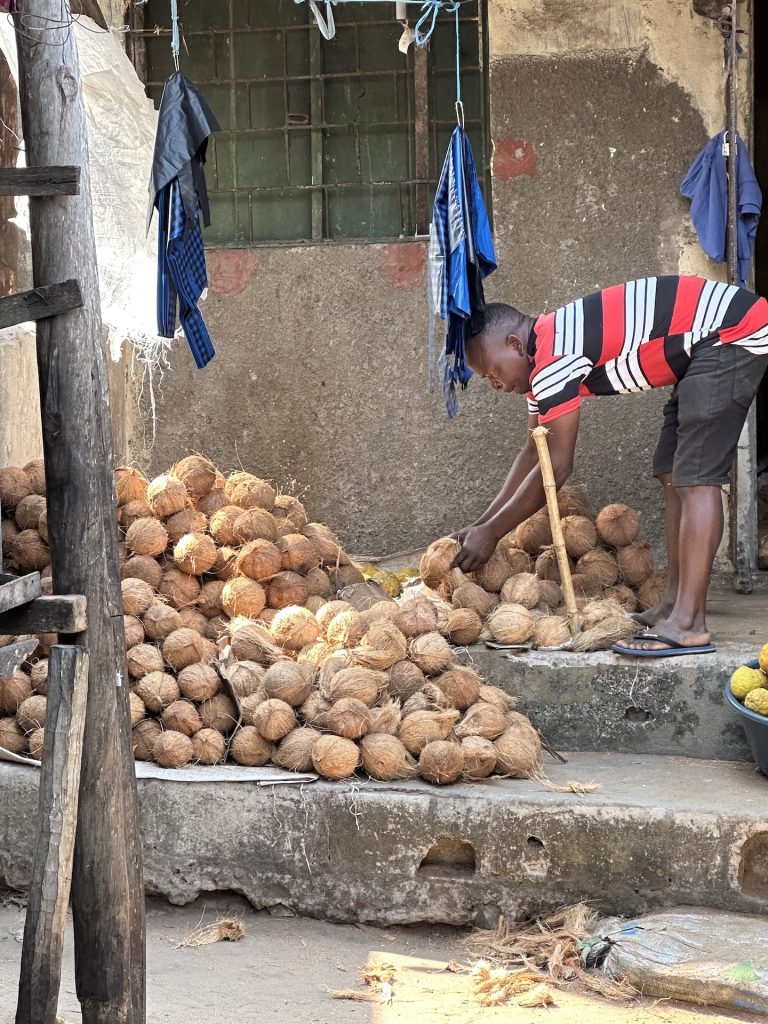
<point>706,339</point>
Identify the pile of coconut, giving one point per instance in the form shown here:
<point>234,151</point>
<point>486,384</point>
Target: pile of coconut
<point>516,598</point>
<point>239,647</point>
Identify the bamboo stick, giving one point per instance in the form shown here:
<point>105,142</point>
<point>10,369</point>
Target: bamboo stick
<point>539,435</point>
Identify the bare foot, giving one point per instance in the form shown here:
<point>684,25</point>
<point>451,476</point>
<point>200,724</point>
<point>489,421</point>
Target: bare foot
<point>675,633</point>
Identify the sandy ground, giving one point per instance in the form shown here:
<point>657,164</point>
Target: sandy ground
<point>282,970</point>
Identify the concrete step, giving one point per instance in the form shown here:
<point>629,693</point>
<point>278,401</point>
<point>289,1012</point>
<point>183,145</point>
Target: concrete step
<point>629,705</point>
<point>660,831</point>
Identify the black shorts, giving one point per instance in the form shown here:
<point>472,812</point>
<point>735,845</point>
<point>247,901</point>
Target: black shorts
<point>704,417</point>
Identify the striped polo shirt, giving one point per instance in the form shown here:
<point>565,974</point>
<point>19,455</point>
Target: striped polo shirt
<point>636,336</point>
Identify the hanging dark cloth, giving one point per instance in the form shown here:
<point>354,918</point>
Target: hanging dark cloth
<point>461,255</point>
<point>177,189</point>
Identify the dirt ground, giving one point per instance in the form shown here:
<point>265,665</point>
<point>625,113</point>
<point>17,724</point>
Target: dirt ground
<point>282,970</point>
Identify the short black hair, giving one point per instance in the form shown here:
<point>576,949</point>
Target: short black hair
<point>493,316</point>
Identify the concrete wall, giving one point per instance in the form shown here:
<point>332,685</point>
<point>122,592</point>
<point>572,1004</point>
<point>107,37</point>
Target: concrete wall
<point>596,113</point>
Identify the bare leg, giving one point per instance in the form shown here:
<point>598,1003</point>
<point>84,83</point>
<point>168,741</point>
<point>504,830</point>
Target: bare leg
<point>701,527</point>
<point>673,510</point>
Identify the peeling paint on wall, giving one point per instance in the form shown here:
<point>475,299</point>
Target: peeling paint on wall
<point>403,263</point>
<point>230,270</point>
<point>513,158</point>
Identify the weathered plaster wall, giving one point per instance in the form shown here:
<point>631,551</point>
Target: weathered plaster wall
<point>596,113</point>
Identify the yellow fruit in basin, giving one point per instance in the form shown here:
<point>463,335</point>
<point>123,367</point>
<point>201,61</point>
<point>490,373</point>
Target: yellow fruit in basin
<point>757,700</point>
<point>744,680</point>
<point>763,658</point>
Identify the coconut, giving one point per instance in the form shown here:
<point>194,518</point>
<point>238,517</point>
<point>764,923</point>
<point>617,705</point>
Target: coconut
<point>12,736</point>
<point>517,559</point>
<point>252,642</point>
<point>250,705</point>
<point>623,596</point>
<point>471,595</point>
<point>382,646</point>
<point>147,537</point>
<point>29,551</point>
<point>462,626</point>
<point>416,617</point>
<point>461,686</point>
<point>14,690</point>
<point>134,631</point>
<point>210,599</point>
<point>335,757</point>
<point>493,575</point>
<point>249,491</point>
<point>518,749</point>
<point>179,589</point>
<point>431,652</point>
<point>599,566</point>
<point>379,611</point>
<point>160,621</point>
<point>294,628</point>
<point>219,712</point>
<point>36,742</point>
<point>294,752</point>
<point>479,756</point>
<point>650,593</point>
<point>422,727</point>
<point>35,471</point>
<point>534,533</point>
<point>243,596</point>
<point>314,654</point>
<point>224,569</point>
<point>198,683</point>
<point>45,641</point>
<point>347,717</point>
<point>195,554</point>
<point>573,501</point>
<point>183,647</point>
<point>39,676</point>
<point>208,747</point>
<point>14,485</point>
<point>579,534</point>
<point>172,749</point>
<point>550,593</point>
<point>8,531</point>
<point>522,589</point>
<point>384,757</point>
<point>346,576</point>
<point>210,652</point>
<point>298,553</point>
<point>329,611</point>
<point>292,509</point>
<point>551,631</point>
<point>498,697</point>
<point>314,708</point>
<point>130,485</point>
<point>547,565</point>
<point>143,738</point>
<point>137,708</point>
<point>314,603</point>
<point>222,524</point>
<point>344,629</point>
<point>405,679</point>
<point>212,502</point>
<point>385,719</point>
<point>197,474</point>
<point>585,587</point>
<point>287,588</point>
<point>157,690</point>
<point>418,701</point>
<point>245,678</point>
<point>128,514</point>
<point>482,719</point>
<point>29,510</point>
<point>142,567</point>
<point>363,684</point>
<point>286,681</point>
<point>143,659</point>
<point>182,716</point>
<point>217,627</point>
<point>437,559</point>
<point>510,624</point>
<point>274,719</point>
<point>137,596</point>
<point>327,546</point>
<point>441,762</point>
<point>249,748</point>
<point>166,495</point>
<point>188,521</point>
<point>618,525</point>
<point>192,618</point>
<point>31,713</point>
<point>318,583</point>
<point>436,699</point>
<point>636,563</point>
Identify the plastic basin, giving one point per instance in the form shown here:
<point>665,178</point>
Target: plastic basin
<point>755,726</point>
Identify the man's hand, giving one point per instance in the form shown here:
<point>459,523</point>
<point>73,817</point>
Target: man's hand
<point>477,546</point>
<point>459,535</point>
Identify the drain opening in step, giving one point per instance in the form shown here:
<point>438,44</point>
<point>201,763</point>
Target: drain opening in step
<point>535,843</point>
<point>636,714</point>
<point>448,857</point>
<point>753,870</point>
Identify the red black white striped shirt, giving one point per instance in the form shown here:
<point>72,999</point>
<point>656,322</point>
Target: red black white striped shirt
<point>636,336</point>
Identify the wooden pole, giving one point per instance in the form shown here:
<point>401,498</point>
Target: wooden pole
<point>558,541</point>
<point>52,872</point>
<point>107,883</point>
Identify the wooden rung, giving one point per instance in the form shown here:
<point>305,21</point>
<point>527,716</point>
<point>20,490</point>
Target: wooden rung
<point>54,613</point>
<point>18,590</point>
<point>14,654</point>
<point>39,303</point>
<point>39,181</point>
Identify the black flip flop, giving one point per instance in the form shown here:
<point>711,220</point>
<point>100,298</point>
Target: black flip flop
<point>672,650</point>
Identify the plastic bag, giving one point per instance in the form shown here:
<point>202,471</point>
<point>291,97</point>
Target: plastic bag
<point>707,957</point>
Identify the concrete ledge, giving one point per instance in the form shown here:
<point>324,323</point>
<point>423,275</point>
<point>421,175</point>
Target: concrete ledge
<point>605,702</point>
<point>661,831</point>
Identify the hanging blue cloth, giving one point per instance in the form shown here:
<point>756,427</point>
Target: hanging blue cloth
<point>461,255</point>
<point>706,185</point>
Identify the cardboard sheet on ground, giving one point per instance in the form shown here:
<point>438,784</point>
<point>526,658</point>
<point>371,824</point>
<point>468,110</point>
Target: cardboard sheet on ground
<point>707,957</point>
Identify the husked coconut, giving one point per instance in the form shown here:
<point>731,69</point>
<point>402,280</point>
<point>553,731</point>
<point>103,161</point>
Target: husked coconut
<point>212,501</point>
<point>29,551</point>
<point>347,717</point>
<point>286,588</point>
<point>463,626</point>
<point>431,652</point>
<point>416,617</point>
<point>252,642</point>
<point>551,631</point>
<point>147,537</point>
<point>188,521</point>
<point>209,602</point>
<point>493,575</point>
<point>572,500</point>
<point>314,603</point>
<point>197,473</point>
<point>579,534</point>
<point>160,620</point>
<point>363,684</point>
<point>172,749</point>
<point>179,589</point>
<point>335,757</point>
<point>166,495</point>
<point>294,628</point>
<point>219,712</point>
<point>534,533</point>
<point>286,681</point>
<point>274,719</point>
<point>182,716</point>
<point>35,471</point>
<point>222,525</point>
<point>250,492</point>
<point>36,742</point>
<point>382,646</point>
<point>622,596</point>
<point>195,554</point>
<point>479,758</point>
<point>137,596</point>
<point>14,485</point>
<point>12,736</point>
<point>482,719</point>
<point>143,736</point>
<point>441,762</point>
<point>249,748</point>
<point>510,624</point>
<point>329,551</point>
<point>128,514</point>
<point>550,593</point>
<point>39,676</point>
<point>518,749</point>
<point>471,595</point>
<point>31,713</point>
<point>313,708</point>
<point>385,718</point>
<point>292,509</point>
<point>137,708</point>
<point>317,583</point>
<point>29,510</point>
<point>254,524</point>
<point>143,659</point>
<point>423,727</point>
<point>208,747</point>
<point>345,629</point>
<point>636,563</point>
<point>547,565</point>
<point>437,559</point>
<point>385,758</point>
<point>142,567</point>
<point>183,647</point>
<point>298,553</point>
<point>199,682</point>
<point>329,611</point>
<point>130,484</point>
<point>243,596</point>
<point>650,593</point>
<point>157,690</point>
<point>521,589</point>
<point>294,752</point>
<point>461,686</point>
<point>14,690</point>
<point>245,677</point>
<point>599,566</point>
<point>618,525</point>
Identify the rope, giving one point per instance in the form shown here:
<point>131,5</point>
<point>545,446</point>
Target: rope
<point>175,33</point>
<point>424,26</point>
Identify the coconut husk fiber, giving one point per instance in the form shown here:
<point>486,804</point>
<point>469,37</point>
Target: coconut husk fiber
<point>534,533</point>
<point>385,758</point>
<point>579,534</point>
<point>599,566</point>
<point>335,757</point>
<point>523,589</point>
<point>551,631</point>
<point>636,563</point>
<point>479,755</point>
<point>482,719</point>
<point>436,561</point>
<point>462,626</point>
<point>518,749</point>
<point>441,762</point>
<point>650,593</point>
<point>510,624</point>
<point>618,525</point>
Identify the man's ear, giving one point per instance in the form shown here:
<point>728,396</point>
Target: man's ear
<point>514,342</point>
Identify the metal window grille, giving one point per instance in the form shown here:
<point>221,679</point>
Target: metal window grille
<point>339,139</point>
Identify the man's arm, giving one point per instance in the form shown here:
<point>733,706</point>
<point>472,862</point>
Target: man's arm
<point>480,541</point>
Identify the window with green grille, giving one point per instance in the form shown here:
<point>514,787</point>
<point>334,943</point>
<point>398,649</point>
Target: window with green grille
<point>321,139</point>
